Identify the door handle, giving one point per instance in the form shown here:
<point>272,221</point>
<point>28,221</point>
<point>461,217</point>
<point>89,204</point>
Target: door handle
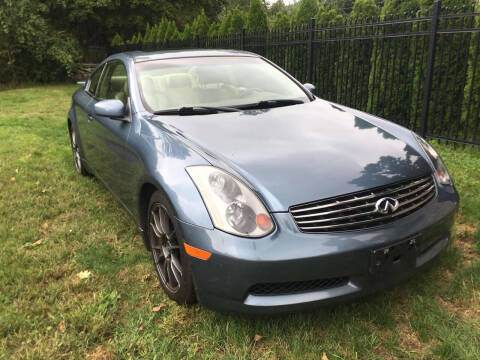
<point>90,118</point>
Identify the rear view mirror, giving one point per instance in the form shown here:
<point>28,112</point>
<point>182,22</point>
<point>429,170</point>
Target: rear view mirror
<point>114,109</point>
<point>311,88</point>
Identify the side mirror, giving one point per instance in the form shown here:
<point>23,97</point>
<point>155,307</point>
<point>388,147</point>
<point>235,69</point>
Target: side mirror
<point>311,88</point>
<point>114,109</point>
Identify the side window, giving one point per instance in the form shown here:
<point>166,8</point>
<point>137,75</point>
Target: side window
<point>114,84</point>
<point>93,83</point>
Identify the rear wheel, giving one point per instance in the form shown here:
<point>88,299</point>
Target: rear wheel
<point>77,160</point>
<point>169,257</point>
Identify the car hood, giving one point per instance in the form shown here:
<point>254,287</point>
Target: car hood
<point>296,154</point>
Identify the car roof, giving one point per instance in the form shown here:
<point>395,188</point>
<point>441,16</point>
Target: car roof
<point>141,56</point>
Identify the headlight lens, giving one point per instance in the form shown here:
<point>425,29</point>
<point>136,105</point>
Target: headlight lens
<point>441,171</point>
<point>234,208</point>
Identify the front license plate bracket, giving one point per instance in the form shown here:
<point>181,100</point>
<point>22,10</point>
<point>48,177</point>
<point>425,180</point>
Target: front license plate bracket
<point>394,257</point>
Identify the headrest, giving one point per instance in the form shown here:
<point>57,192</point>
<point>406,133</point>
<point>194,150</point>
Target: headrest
<point>179,81</point>
<point>117,83</point>
<point>209,75</point>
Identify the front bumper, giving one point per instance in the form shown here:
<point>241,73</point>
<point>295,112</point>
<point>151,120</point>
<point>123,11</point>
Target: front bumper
<point>225,281</point>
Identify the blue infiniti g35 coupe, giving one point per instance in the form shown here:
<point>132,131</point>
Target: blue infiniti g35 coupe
<point>252,194</point>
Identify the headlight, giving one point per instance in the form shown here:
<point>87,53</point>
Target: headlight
<point>233,207</point>
<point>440,169</point>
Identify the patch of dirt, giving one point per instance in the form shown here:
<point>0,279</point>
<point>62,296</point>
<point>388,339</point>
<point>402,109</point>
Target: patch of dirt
<point>100,353</point>
<point>464,241</point>
<point>467,249</point>
<point>133,274</point>
<point>408,339</point>
<point>465,228</point>
<point>383,353</point>
<point>468,310</point>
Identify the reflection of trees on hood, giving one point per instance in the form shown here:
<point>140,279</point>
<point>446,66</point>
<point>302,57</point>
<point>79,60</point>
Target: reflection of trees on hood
<point>172,148</point>
<point>389,169</point>
<point>363,124</point>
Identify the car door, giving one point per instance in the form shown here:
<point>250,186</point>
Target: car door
<point>83,108</point>
<point>115,159</point>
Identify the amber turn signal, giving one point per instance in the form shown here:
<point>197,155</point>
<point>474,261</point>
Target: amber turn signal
<point>196,252</point>
<point>264,222</point>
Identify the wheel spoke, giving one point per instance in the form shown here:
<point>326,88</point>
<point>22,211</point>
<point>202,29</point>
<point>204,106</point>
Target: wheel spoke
<point>155,230</point>
<point>170,234</point>
<point>165,271</point>
<point>172,279</point>
<point>163,219</point>
<point>156,220</point>
<point>176,266</point>
<point>175,273</point>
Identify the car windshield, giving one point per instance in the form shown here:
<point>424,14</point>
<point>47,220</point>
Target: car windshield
<point>212,81</point>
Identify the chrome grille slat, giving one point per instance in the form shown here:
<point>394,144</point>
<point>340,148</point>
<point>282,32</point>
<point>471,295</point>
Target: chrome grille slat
<point>372,195</point>
<point>338,216</point>
<point>368,212</point>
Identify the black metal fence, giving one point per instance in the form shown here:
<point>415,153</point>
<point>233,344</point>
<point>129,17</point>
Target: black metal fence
<point>420,70</point>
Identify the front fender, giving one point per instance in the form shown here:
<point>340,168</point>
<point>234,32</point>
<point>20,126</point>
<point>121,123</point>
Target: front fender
<point>164,159</point>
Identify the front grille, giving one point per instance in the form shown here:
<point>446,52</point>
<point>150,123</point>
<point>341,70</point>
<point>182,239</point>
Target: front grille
<point>357,211</point>
<point>295,287</point>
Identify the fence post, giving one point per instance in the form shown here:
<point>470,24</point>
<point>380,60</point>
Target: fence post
<point>310,51</point>
<point>430,67</point>
<point>242,39</point>
<point>197,41</point>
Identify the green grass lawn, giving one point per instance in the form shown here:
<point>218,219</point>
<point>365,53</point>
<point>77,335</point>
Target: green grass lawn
<point>55,224</point>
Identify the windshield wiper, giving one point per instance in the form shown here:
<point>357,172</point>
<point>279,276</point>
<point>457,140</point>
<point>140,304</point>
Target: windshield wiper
<point>196,110</point>
<point>264,104</point>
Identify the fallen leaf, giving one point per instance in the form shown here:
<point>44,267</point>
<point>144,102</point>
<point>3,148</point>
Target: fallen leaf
<point>37,183</point>
<point>61,327</point>
<point>324,356</point>
<point>45,225</point>
<point>38,242</point>
<point>140,328</point>
<point>257,337</point>
<point>145,277</point>
<point>84,274</point>
<point>157,308</point>
<point>16,170</point>
<point>12,179</point>
<point>44,191</point>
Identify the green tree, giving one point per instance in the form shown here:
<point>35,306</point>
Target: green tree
<point>161,30</point>
<point>280,22</point>
<point>225,25</point>
<point>398,7</point>
<point>213,29</point>
<point>237,22</point>
<point>364,9</point>
<point>278,7</point>
<point>149,35</point>
<point>257,16</point>
<point>117,40</point>
<point>31,47</point>
<point>172,31</point>
<point>327,16</point>
<point>187,33</point>
<point>305,11</point>
<point>200,25</point>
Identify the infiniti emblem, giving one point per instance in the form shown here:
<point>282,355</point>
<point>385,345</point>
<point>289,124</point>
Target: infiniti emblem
<point>386,205</point>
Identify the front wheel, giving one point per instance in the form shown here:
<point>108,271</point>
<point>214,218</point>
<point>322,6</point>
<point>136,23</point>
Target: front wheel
<point>77,160</point>
<point>169,257</point>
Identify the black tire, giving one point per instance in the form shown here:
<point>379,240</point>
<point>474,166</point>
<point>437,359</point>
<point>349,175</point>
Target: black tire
<point>77,159</point>
<point>171,262</point>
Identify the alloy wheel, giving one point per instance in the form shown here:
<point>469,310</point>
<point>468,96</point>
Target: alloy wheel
<point>165,248</point>
<point>76,152</point>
